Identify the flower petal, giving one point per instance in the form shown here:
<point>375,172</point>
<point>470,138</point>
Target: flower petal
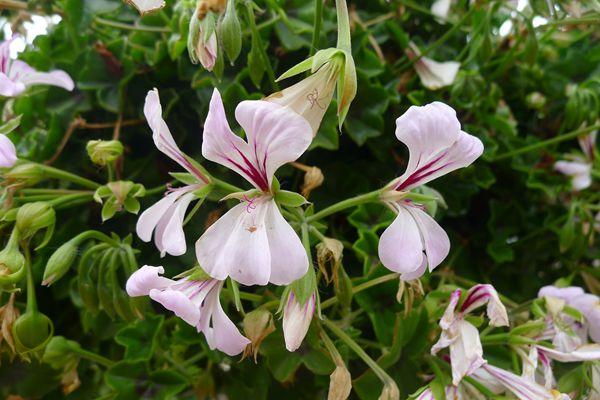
<point>589,305</point>
<point>435,142</point>
<point>172,237</point>
<point>146,6</point>
<point>8,87</point>
<point>152,215</point>
<point>207,51</point>
<point>480,295</point>
<point>30,77</point>
<point>142,281</point>
<point>580,173</point>
<point>8,152</point>
<point>436,243</point>
<point>440,8</point>
<point>522,388</point>
<point>288,256</point>
<point>586,352</point>
<point>567,294</point>
<point>179,303</point>
<point>400,246</point>
<point>296,321</point>
<point>466,353</point>
<point>237,245</point>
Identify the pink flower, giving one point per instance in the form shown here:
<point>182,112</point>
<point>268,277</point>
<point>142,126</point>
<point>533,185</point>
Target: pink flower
<point>194,301</point>
<point>252,242</point>
<point>165,218</point>
<point>8,152</point>
<point>579,169</point>
<point>296,320</point>
<point>16,75</point>
<point>437,146</point>
<point>466,352</point>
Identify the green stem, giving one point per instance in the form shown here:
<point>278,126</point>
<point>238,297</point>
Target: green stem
<point>31,299</point>
<point>88,355</point>
<point>377,370</point>
<point>71,199</point>
<point>67,176</point>
<point>545,143</point>
<point>363,286</point>
<point>318,21</point>
<point>343,39</point>
<point>263,53</point>
<point>127,27</point>
<point>226,186</point>
<point>342,205</point>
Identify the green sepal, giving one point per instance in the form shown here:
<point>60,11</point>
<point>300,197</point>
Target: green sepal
<point>290,199</point>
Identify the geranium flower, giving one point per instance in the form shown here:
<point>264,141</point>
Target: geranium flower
<point>196,301</point>
<point>466,352</point>
<point>17,75</point>
<point>437,146</point>
<point>433,74</point>
<point>252,242</point>
<point>165,218</point>
<point>579,169</point>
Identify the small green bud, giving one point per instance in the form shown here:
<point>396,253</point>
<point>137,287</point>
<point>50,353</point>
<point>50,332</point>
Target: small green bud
<point>33,217</point>
<point>31,331</point>
<point>535,100</point>
<point>12,262</point>
<point>103,152</point>
<point>230,32</point>
<point>60,261</point>
<point>27,174</point>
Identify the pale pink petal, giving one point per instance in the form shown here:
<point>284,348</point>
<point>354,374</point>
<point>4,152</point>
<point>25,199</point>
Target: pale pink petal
<point>522,388</point>
<point>161,135</point>
<point>9,88</point>
<point>436,243</point>
<point>142,281</point>
<point>589,305</point>
<point>8,152</point>
<point>580,173</point>
<point>152,215</point>
<point>435,142</point>
<point>466,353</point>
<point>179,303</point>
<point>480,295</point>
<point>586,352</point>
<point>567,294</point>
<point>54,78</point>
<point>588,144</point>
<point>296,320</point>
<point>449,314</point>
<point>5,54</point>
<point>237,245</point>
<point>172,236</point>
<point>440,8</point>
<point>427,394</point>
<point>400,246</point>
<point>224,335</point>
<point>288,256</point>
<point>276,134</point>
<point>434,75</point>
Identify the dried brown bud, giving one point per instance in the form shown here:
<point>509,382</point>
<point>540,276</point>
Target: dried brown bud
<point>8,315</point>
<point>258,324</point>
<point>329,257</point>
<point>313,178</point>
<point>204,6</point>
<point>340,384</point>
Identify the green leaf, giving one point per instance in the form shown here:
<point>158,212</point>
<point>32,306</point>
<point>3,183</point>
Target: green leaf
<point>140,338</point>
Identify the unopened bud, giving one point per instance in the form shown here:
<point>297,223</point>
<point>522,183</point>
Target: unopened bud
<point>60,261</point>
<point>103,152</point>
<point>390,392</point>
<point>258,324</point>
<point>313,178</point>
<point>340,384</point>
<point>535,100</point>
<point>26,174</point>
<point>230,32</point>
<point>296,320</point>
<point>33,217</point>
<point>31,331</point>
<point>202,40</point>
<point>12,262</point>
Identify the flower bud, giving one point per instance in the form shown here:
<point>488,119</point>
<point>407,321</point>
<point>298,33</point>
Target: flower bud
<point>32,331</point>
<point>390,391</point>
<point>202,38</point>
<point>60,261</point>
<point>296,320</point>
<point>535,100</point>
<point>33,217</point>
<point>103,152</point>
<point>313,178</point>
<point>340,384</point>
<point>329,254</point>
<point>12,262</point>
<point>258,324</point>
<point>230,32</point>
<point>26,174</point>
<point>8,314</point>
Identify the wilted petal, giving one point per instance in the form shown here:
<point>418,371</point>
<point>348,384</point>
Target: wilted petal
<point>435,142</point>
<point>288,256</point>
<point>311,96</point>
<point>223,334</point>
<point>8,152</point>
<point>481,294</point>
<point>163,140</point>
<point>146,6</point>
<point>400,246</point>
<point>567,293</point>
<point>276,135</point>
<point>579,171</point>
<point>237,245</point>
<point>434,75</point>
<point>142,281</point>
<point>296,320</point>
<point>586,352</point>
<point>447,336</point>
